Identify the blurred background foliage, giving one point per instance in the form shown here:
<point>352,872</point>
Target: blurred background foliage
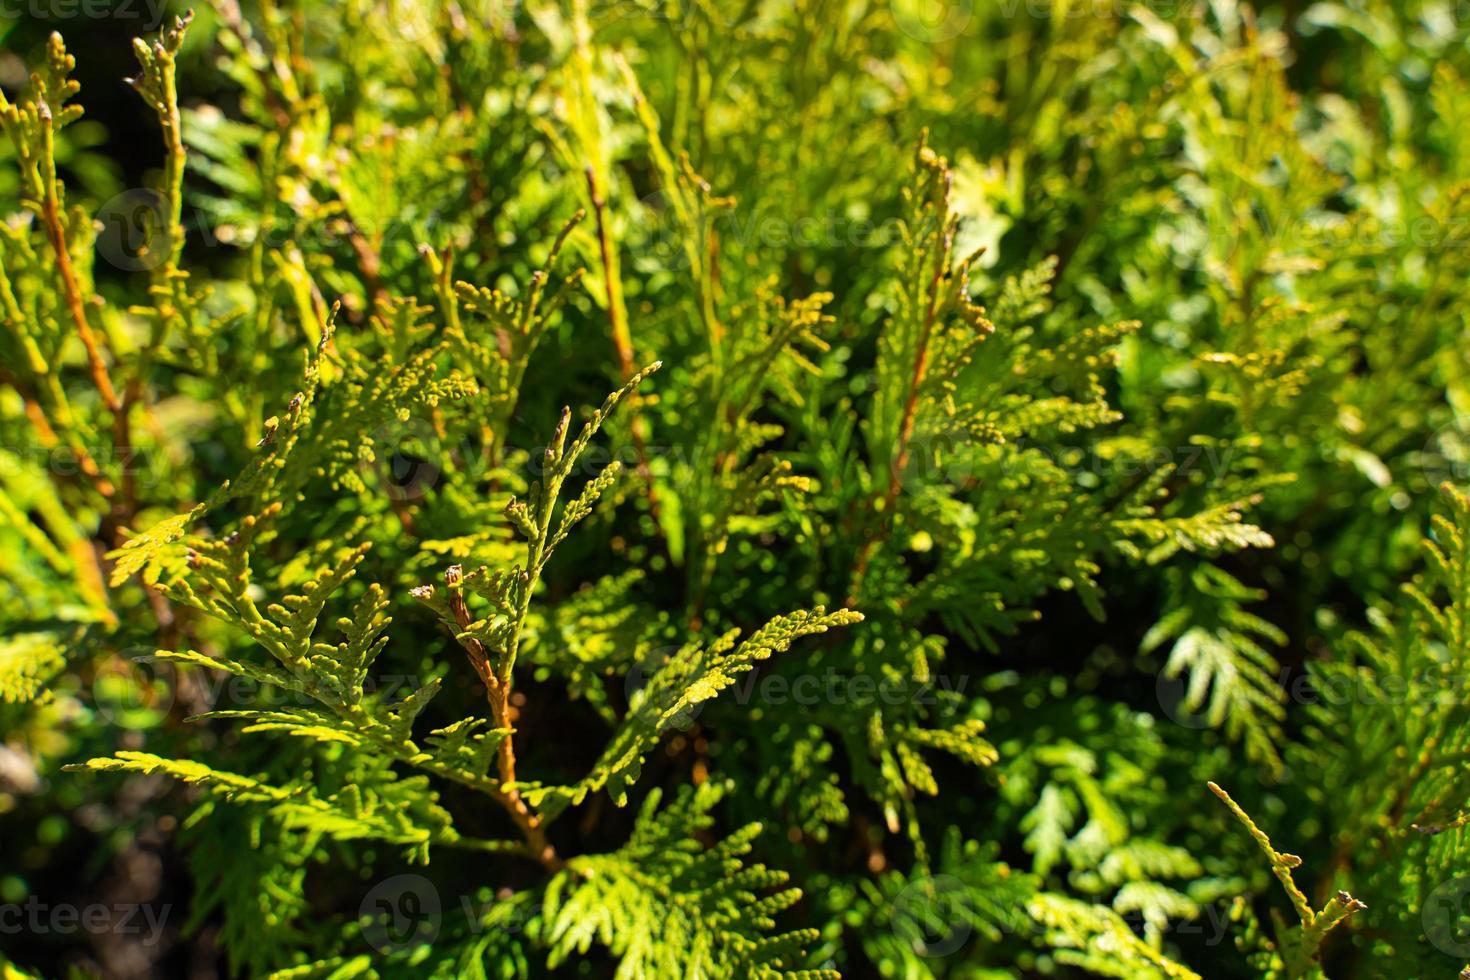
<point>1134,550</point>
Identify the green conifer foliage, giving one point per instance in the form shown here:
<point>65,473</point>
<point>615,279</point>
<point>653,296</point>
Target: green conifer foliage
<point>1025,420</point>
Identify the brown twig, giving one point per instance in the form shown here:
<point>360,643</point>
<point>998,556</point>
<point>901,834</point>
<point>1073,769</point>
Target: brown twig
<point>622,336</point>
<point>498,694</point>
<point>124,502</point>
<point>910,410</point>
<point>369,262</point>
<point>71,289</point>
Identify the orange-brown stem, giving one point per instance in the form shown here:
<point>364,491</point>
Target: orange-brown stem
<point>71,289</point>
<point>622,336</point>
<point>910,414</point>
<point>498,695</point>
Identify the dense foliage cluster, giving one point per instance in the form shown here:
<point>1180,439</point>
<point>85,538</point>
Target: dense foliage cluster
<point>1032,492</point>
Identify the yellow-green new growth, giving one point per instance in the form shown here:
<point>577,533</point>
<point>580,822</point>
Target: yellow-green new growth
<point>1299,949</point>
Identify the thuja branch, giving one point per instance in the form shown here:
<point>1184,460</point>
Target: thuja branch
<point>32,126</point>
<point>70,287</point>
<point>926,343</point>
<point>124,503</point>
<point>617,310</point>
<point>493,643</point>
<point>1300,949</point>
<point>617,316</point>
<point>498,693</point>
<point>157,84</point>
